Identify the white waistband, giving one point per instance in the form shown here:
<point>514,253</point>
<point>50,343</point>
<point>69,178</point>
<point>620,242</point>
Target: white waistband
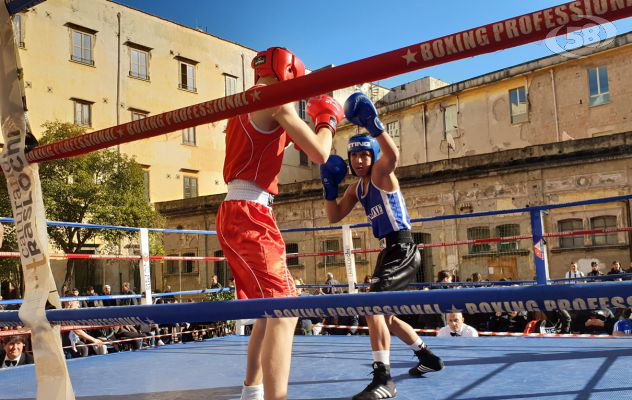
<point>239,189</point>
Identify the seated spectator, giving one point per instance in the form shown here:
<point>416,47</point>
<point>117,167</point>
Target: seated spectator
<point>594,269</point>
<point>476,277</point>
<point>231,283</point>
<point>13,354</point>
<point>623,327</point>
<point>595,322</point>
<point>215,283</point>
<point>126,290</point>
<point>456,327</point>
<point>92,303</point>
<point>616,270</point>
<point>444,276</point>
<point>508,322</point>
<point>107,291</point>
<point>331,281</point>
<point>80,341</point>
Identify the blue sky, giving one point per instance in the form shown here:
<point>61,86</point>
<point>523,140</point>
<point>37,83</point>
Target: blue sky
<point>337,32</point>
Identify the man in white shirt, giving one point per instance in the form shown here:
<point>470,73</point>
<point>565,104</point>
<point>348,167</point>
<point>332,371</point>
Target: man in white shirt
<point>574,273</point>
<point>457,327</point>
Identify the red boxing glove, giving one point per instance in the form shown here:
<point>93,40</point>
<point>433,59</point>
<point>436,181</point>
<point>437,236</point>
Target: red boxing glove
<point>324,111</point>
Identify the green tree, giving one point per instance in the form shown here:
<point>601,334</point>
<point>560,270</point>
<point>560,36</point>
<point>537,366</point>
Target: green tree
<point>103,187</point>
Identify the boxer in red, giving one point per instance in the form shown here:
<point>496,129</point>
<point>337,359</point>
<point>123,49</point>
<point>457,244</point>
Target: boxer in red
<point>246,227</point>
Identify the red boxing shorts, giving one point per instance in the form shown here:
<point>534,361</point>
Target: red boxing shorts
<point>254,249</point>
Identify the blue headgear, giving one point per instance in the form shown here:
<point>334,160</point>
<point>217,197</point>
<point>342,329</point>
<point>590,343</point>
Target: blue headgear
<point>362,142</point>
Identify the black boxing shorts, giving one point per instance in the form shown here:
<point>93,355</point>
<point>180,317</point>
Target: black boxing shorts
<point>397,263</point>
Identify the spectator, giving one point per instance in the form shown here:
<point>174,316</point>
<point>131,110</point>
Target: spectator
<point>92,303</point>
<point>367,282</point>
<point>573,273</point>
<point>331,281</point>
<point>594,269</point>
<point>444,276</point>
<point>1,305</point>
<point>456,327</point>
<point>12,353</point>
<point>169,299</point>
<point>215,283</point>
<point>476,277</point>
<point>595,321</point>
<point>623,327</point>
<point>79,338</point>
<point>126,290</point>
<point>107,291</point>
<point>231,282</point>
<point>508,322</point>
<point>616,270</point>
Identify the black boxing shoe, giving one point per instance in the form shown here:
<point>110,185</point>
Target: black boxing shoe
<point>382,385</point>
<point>428,362</point>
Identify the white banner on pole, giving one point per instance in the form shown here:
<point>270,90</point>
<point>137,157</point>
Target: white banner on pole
<point>145,265</point>
<point>347,249</point>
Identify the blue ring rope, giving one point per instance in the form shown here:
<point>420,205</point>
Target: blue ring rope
<point>577,297</point>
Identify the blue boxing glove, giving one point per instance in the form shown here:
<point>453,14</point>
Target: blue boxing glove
<point>332,173</point>
<point>360,111</point>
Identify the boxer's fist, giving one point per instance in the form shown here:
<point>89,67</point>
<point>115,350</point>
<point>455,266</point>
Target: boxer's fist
<point>332,173</point>
<point>325,111</point>
<point>360,111</point>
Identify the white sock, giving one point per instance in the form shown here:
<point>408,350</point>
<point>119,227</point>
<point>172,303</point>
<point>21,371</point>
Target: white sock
<point>418,345</point>
<point>254,392</point>
<point>383,356</point>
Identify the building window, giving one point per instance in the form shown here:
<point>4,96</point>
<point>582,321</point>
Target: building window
<point>426,254</point>
<point>331,245</point>
<point>139,61</point>
<point>598,86</point>
<point>450,124</point>
<point>138,114</point>
<point>303,159</point>
<point>479,232</point>
<point>188,266</point>
<point>230,84</point>
<point>392,128</point>
<point>302,107</point>
<point>18,30</point>
<point>569,225</point>
<point>146,184</point>
<point>82,112</point>
<point>187,76</point>
<point>604,222</point>
<point>221,269</point>
<point>172,265</point>
<point>506,231</point>
<point>82,47</point>
<point>357,244</point>
<point>289,249</point>
<point>190,186</point>
<point>188,136</point>
<point>518,102</point>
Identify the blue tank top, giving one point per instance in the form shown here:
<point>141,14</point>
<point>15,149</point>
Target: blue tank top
<point>387,211</point>
<point>625,326</point>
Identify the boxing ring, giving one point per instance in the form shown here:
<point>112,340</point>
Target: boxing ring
<point>489,368</point>
<point>476,368</point>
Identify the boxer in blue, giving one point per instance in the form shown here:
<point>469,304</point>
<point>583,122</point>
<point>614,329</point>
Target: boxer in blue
<point>373,159</point>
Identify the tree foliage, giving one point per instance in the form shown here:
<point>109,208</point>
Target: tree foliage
<point>104,187</point>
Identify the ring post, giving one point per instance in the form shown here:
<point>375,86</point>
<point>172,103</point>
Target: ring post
<point>145,265</point>
<point>540,254</point>
<point>347,250</point>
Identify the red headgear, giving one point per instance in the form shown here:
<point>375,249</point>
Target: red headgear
<point>277,61</point>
